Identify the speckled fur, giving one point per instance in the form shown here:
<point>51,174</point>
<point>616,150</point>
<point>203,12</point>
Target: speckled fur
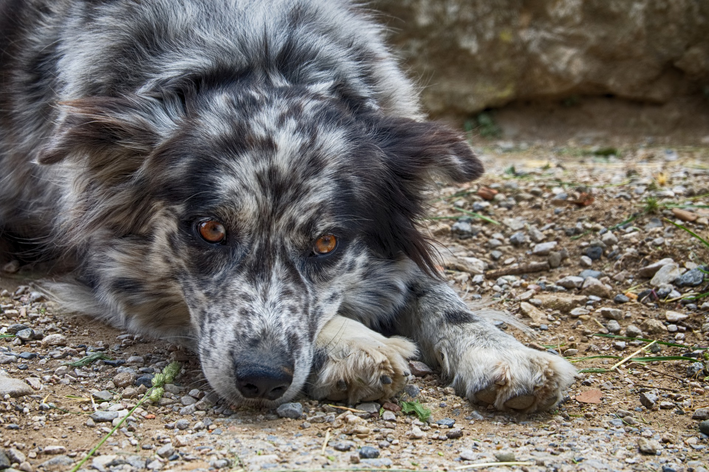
<point>124,124</point>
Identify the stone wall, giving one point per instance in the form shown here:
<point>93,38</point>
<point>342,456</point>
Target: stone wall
<point>474,54</point>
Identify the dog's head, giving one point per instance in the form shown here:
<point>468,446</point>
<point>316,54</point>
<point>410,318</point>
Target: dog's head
<point>265,211</point>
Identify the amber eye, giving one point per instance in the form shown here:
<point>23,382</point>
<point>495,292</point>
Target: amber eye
<point>212,231</point>
<point>325,244</point>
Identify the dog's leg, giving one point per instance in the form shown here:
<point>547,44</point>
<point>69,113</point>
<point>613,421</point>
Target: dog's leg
<point>481,362</point>
<point>355,363</point>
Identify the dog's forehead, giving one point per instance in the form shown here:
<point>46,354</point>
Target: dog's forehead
<point>282,163</point>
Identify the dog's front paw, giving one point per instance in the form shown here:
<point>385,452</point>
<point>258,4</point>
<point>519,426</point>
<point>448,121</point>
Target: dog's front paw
<point>358,364</point>
<point>513,379</point>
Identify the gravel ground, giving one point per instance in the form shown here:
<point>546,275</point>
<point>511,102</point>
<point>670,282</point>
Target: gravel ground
<point>564,259</point>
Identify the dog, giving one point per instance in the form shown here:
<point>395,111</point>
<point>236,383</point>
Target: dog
<point>245,178</point>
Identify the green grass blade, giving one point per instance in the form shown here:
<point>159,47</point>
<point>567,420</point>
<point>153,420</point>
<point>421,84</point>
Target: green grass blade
<point>692,233</point>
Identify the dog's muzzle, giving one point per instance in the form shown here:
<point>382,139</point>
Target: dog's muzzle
<point>262,375</point>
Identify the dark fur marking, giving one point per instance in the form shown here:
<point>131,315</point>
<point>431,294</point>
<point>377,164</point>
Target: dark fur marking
<point>457,317</point>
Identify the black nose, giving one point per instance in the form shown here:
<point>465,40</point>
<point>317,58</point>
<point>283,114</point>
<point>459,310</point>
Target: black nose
<point>262,381</point>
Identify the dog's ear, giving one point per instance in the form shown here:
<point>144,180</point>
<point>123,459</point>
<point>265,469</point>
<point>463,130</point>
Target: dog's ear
<point>417,151</point>
<point>413,154</point>
<point>107,131</point>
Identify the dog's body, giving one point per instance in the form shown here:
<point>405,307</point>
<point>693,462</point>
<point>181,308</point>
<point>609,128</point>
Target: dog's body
<point>244,177</point>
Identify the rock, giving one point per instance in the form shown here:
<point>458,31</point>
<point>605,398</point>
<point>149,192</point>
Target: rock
<point>416,433</point>
<point>454,433</point>
<point>34,382</point>
<point>544,249</point>
<point>165,451</point>
<point>653,223</point>
<point>123,379</point>
<point>633,331</point>
<point>187,400</point>
<point>555,259</point>
<point>419,369</point>
<point>15,456</point>
<point>7,359</point>
<point>505,456</point>
<point>614,327</point>
<point>610,313</point>
<point>464,229</point>
<point>535,235</point>
<point>585,261</point>
<point>25,335</point>
<point>695,369</point>
<point>447,422</point>
<point>342,446</point>
<point>609,238</point>
<point>576,312</point>
<point>685,215</point>
<point>103,395</point>
<point>370,407</point>
<point>54,450</point>
<point>570,282</point>
<point>562,302</point>
<point>594,252</point>
<point>290,410</point>
<point>653,326</point>
<point>674,317</point>
<point>518,238</point>
<point>135,360</point>
<point>530,311</point>
<point>704,427</point>
<point>146,380</point>
<point>649,446</point>
<point>649,270</point>
<point>54,340</point>
<point>701,414</point>
<point>103,463</point>
<point>412,390</point>
<point>266,461</point>
<point>376,464</point>
<point>4,461</point>
<point>648,400</point>
<point>57,464</point>
<point>666,275</point>
<point>182,424</point>
<point>469,455</point>
<point>691,278</point>
<point>592,286</point>
<point>620,298</point>
<point>590,273</point>
<point>389,416</point>
<point>13,387</point>
<point>368,452</point>
<point>102,416</point>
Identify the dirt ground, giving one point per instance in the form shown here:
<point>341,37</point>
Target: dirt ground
<point>638,416</point>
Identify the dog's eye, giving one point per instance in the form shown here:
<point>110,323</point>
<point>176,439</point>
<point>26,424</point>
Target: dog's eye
<point>212,231</point>
<point>325,244</point>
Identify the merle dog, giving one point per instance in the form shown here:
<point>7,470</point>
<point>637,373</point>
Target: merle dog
<point>245,177</point>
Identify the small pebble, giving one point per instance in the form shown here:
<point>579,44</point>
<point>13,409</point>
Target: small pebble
<point>368,452</point>
<point>290,410</point>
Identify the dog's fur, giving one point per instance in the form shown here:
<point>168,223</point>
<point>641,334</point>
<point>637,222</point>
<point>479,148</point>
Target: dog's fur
<point>125,124</point>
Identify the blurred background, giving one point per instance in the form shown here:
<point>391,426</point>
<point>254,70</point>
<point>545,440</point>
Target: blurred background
<point>554,70</point>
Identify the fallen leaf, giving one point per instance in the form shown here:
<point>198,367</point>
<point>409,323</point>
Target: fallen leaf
<point>149,416</point>
<point>631,295</point>
<point>590,396</point>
